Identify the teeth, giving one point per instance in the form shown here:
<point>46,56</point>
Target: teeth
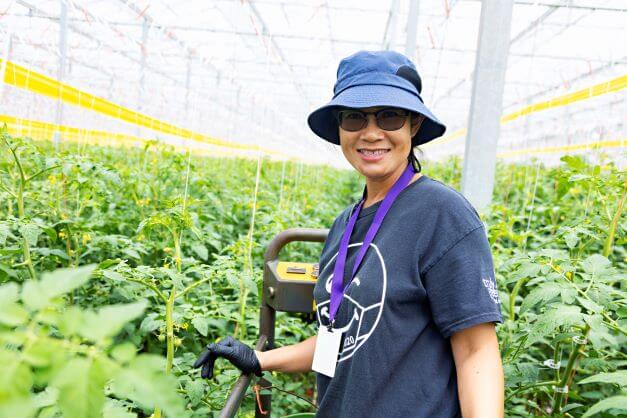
<point>373,152</point>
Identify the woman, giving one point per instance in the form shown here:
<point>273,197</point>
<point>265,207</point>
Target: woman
<point>406,296</point>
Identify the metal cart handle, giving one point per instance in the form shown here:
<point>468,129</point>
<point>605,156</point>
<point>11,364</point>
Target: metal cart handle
<point>266,339</point>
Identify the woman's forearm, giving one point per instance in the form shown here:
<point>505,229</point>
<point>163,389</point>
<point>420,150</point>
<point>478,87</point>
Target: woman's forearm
<point>289,359</point>
<point>479,371</point>
<point>481,386</point>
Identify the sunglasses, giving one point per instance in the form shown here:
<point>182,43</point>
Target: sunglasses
<point>388,119</point>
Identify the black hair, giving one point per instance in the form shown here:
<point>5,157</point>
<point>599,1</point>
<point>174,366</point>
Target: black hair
<point>413,160</point>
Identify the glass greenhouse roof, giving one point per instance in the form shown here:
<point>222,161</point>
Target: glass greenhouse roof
<point>250,71</point>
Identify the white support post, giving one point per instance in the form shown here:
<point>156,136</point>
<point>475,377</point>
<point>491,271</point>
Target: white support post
<point>389,37</point>
<point>61,68</point>
<point>412,29</point>
<point>486,102</point>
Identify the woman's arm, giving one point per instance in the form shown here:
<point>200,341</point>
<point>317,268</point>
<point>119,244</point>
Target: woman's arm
<point>289,359</point>
<point>479,371</point>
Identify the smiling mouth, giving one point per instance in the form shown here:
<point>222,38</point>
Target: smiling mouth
<point>372,152</point>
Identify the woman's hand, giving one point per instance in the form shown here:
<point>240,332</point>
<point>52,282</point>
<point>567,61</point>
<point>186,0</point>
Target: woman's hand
<point>242,356</point>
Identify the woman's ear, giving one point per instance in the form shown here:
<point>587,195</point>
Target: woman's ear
<point>416,122</point>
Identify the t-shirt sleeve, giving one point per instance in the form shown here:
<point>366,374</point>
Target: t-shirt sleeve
<point>461,285</point>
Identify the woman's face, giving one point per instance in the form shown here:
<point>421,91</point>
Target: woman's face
<point>377,153</point>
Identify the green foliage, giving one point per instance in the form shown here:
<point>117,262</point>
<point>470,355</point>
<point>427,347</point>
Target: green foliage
<point>119,265</point>
<point>59,358</point>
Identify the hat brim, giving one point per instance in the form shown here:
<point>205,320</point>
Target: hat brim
<point>323,123</point>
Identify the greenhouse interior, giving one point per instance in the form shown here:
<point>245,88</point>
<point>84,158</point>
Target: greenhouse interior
<point>168,188</point>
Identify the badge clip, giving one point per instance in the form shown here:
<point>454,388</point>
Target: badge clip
<point>330,326</point>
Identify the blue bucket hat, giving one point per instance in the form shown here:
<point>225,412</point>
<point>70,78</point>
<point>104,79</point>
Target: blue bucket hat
<point>375,78</point>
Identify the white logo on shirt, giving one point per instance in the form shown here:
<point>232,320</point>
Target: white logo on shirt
<point>366,300</point>
<point>492,290</point>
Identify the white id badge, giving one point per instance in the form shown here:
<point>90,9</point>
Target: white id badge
<point>327,349</point>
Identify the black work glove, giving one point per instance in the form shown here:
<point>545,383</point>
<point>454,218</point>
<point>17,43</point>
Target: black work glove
<point>242,356</point>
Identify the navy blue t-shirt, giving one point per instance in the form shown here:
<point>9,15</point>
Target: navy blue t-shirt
<point>427,274</point>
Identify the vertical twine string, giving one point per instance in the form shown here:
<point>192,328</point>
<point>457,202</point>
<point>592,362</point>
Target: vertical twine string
<point>281,186</point>
<point>252,218</point>
<point>533,199</point>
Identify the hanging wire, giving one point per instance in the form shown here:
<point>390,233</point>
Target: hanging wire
<point>254,211</point>
<point>281,184</point>
<point>533,199</point>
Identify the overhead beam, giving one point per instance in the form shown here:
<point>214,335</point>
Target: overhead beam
<point>92,38</point>
<point>564,3</point>
<point>520,35</point>
<point>278,50</point>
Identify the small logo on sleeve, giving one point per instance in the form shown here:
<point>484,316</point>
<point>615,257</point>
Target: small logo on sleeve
<point>492,290</point>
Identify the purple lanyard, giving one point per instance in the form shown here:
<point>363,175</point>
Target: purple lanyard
<point>337,293</point>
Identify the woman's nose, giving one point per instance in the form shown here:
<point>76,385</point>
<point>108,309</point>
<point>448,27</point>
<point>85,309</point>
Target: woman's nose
<point>371,130</point>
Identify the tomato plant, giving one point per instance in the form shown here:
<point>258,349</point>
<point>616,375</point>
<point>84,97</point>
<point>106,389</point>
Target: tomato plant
<point>118,265</point>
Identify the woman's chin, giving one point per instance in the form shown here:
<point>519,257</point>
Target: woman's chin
<point>373,171</point>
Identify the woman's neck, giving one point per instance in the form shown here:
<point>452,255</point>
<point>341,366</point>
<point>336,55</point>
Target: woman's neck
<point>376,189</point>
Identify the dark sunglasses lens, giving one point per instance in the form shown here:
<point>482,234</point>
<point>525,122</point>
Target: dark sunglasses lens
<point>352,121</point>
<point>391,119</point>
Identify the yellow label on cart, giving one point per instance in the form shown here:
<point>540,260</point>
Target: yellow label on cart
<point>301,272</point>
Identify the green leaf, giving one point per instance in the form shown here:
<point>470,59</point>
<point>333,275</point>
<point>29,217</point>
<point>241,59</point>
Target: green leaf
<point>543,293</point>
<point>5,231</point>
<point>595,264</point>
<point>589,305</point>
<point>618,378</point>
<point>201,323</point>
<point>37,294</point>
<point>547,323</point>
<point>109,320</point>
<point>16,378</point>
<point>195,390</point>
<point>201,251</point>
<point>113,275</point>
<point>144,382</point>
<point>114,409</point>
<point>23,407</point>
<point>11,313</point>
<point>578,177</point>
<point>81,388</point>
<point>9,293</point>
<point>30,232</point>
<point>39,354</point>
<point>124,352</point>
<point>150,324</point>
<point>571,239</point>
<point>615,402</point>
<point>71,321</point>
<point>574,162</point>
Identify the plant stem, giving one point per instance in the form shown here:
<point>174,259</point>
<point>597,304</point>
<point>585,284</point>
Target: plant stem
<point>192,286</point>
<point>21,213</point>
<point>169,329</point>
<point>177,250</point>
<point>609,241</point>
<point>578,351</point>
<point>512,298</point>
<point>534,385</point>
